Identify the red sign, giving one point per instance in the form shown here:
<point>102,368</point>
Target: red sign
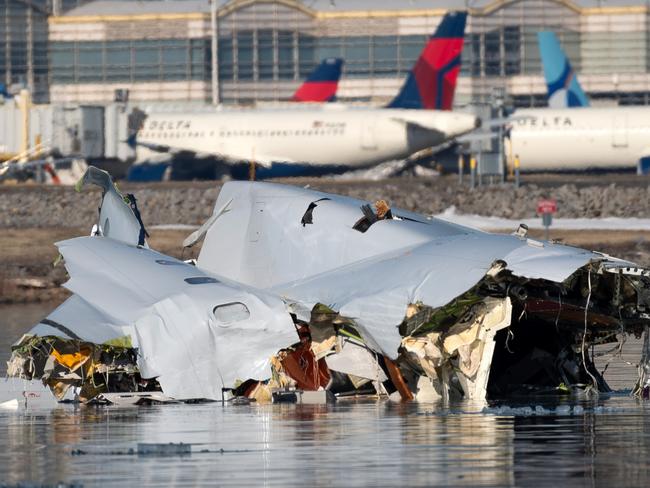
<point>547,206</point>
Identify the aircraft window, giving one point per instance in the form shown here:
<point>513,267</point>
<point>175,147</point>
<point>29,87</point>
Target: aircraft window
<point>200,280</point>
<point>228,313</point>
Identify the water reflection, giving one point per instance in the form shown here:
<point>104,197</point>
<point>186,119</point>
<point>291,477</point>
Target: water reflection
<point>349,444</point>
<point>15,320</point>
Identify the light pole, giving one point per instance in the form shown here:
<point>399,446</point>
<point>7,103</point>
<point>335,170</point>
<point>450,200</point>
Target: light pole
<point>214,7</point>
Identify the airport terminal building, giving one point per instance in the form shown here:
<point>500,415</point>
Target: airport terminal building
<point>161,51</point>
<point>89,65</point>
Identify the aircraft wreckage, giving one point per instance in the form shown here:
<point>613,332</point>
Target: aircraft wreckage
<point>300,291</point>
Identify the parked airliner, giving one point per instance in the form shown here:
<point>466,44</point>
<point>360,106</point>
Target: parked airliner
<point>329,138</point>
<point>578,137</point>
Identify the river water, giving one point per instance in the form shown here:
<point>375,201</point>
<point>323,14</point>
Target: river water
<point>556,441</point>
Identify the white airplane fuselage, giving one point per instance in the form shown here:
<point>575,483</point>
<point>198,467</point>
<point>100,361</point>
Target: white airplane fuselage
<point>318,138</point>
<point>580,138</point>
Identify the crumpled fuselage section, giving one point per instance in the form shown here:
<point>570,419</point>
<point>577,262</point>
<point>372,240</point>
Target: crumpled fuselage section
<point>303,296</point>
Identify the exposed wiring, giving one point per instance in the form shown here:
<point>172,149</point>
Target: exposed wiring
<point>508,336</point>
<point>559,310</point>
<point>584,335</point>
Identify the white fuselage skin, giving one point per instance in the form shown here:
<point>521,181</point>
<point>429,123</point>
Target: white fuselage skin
<point>325,136</point>
<point>580,138</point>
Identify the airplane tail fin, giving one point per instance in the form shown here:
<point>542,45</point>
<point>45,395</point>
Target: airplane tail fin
<point>564,90</point>
<point>322,83</point>
<point>432,81</point>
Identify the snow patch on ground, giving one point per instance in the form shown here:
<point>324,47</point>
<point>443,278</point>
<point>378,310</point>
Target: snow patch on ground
<point>498,223</point>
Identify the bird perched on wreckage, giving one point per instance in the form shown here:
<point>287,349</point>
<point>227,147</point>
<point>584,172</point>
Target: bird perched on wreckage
<point>288,293</point>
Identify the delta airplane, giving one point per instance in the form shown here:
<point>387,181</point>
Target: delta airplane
<point>577,136</point>
<point>562,83</point>
<point>330,138</point>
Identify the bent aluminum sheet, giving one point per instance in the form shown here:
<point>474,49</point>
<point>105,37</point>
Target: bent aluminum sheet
<point>259,254</point>
<point>116,219</point>
<point>180,340</point>
<point>260,241</point>
<point>370,277</point>
<point>77,319</point>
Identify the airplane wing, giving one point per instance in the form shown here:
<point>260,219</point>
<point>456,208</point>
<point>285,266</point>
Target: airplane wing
<point>417,123</point>
<point>227,157</point>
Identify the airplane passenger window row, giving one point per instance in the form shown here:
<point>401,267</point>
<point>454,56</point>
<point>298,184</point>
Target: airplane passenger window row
<point>281,133</point>
<point>243,133</point>
<point>172,135</point>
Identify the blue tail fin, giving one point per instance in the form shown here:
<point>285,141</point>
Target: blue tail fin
<point>322,83</point>
<point>564,90</point>
<point>432,81</point>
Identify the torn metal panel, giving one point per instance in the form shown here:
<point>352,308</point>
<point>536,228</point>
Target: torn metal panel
<point>464,350</point>
<point>284,250</point>
<point>180,340</point>
<point>119,217</point>
<point>75,318</point>
<point>377,288</point>
<point>288,296</point>
<point>355,359</point>
<point>87,368</point>
<point>200,233</point>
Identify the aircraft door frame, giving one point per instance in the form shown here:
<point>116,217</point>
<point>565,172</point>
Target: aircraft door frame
<point>619,131</point>
<point>368,138</point>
